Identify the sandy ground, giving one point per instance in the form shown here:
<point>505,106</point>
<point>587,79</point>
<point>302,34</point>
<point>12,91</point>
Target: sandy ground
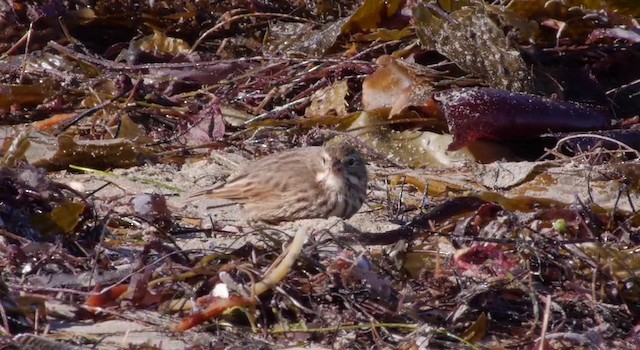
<point>563,183</point>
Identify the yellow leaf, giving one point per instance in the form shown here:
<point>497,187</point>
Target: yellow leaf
<point>61,220</point>
<point>477,330</point>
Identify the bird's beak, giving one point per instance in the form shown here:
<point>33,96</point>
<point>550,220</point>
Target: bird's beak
<point>336,166</point>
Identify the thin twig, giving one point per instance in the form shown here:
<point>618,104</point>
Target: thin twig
<point>122,67</point>
<point>627,148</point>
<point>545,321</point>
<point>67,124</point>
<point>243,16</point>
<point>26,51</point>
<point>277,110</point>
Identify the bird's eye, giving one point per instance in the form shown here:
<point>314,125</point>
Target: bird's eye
<point>351,162</point>
<point>324,161</point>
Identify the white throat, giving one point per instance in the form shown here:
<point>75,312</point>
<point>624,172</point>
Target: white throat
<point>330,180</point>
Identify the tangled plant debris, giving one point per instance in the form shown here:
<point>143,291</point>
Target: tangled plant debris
<point>502,146</point>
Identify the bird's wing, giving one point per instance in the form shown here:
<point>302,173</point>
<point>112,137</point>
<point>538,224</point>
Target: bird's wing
<point>254,183</point>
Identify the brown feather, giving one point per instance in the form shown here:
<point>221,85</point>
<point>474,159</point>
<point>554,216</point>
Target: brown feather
<point>298,184</point>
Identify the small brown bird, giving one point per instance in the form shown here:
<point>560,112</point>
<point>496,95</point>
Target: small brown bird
<point>301,183</point>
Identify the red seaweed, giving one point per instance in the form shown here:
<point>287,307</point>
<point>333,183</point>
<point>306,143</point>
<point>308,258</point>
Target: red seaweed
<point>485,113</point>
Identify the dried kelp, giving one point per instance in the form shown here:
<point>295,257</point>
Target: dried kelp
<point>504,254</point>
